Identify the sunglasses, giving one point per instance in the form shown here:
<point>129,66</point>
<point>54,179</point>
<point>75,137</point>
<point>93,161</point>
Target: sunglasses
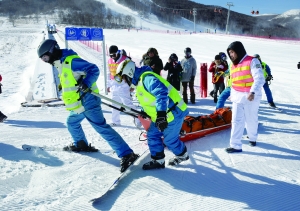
<point>113,55</point>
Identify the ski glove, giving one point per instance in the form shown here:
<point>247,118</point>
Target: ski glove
<point>269,78</point>
<point>83,87</point>
<point>161,121</point>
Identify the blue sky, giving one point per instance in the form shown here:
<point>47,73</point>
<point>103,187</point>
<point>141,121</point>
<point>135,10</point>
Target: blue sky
<point>263,6</point>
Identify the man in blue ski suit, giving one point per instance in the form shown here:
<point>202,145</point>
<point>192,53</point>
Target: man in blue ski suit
<point>225,94</point>
<point>77,78</point>
<point>268,76</point>
<point>162,102</point>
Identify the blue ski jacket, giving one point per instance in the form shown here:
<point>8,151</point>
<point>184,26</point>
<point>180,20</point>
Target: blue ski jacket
<point>158,90</point>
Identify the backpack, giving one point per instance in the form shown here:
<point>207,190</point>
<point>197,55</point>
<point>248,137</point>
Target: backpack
<point>226,114</point>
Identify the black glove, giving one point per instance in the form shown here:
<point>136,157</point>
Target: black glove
<point>269,78</point>
<point>59,87</point>
<point>83,87</point>
<point>298,65</point>
<point>161,121</point>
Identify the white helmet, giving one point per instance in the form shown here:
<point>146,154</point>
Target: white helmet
<point>126,67</point>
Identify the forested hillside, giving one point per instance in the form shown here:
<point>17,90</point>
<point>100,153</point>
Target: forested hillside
<point>95,14</point>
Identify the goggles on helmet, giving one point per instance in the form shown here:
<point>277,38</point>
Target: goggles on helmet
<point>118,78</point>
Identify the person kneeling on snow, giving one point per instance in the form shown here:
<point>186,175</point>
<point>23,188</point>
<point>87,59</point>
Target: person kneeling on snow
<point>77,78</point>
<point>162,102</point>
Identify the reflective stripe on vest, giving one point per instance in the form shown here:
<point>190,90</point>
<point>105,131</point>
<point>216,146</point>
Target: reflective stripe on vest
<point>240,75</point>
<point>68,82</point>
<point>148,101</point>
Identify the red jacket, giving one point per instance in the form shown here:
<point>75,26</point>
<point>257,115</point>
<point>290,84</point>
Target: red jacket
<point>0,78</point>
<point>212,69</point>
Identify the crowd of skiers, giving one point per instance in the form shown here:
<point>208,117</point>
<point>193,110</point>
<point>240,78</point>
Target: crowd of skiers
<point>159,98</point>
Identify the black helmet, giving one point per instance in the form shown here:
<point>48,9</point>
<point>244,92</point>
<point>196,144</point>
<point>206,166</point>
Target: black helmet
<point>256,56</point>
<point>113,49</point>
<point>173,57</point>
<point>47,46</point>
<point>223,56</point>
<point>187,50</point>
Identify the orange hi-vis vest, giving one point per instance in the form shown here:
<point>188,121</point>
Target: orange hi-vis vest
<point>240,75</point>
<point>112,66</point>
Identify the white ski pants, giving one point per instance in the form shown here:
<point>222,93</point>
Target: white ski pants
<point>121,94</point>
<point>244,114</point>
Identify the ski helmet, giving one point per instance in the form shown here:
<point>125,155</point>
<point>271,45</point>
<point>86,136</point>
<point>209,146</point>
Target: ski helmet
<point>113,49</point>
<point>47,46</point>
<point>187,50</point>
<point>125,68</point>
<point>256,56</point>
<point>223,56</point>
<point>173,57</point>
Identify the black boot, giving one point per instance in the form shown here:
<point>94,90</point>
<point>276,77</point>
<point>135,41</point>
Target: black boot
<point>157,162</point>
<point>193,98</point>
<point>215,98</point>
<point>185,99</point>
<point>128,160</point>
<point>2,117</point>
<point>179,158</point>
<point>154,164</point>
<point>81,147</point>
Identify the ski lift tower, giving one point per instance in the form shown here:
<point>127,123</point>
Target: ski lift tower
<point>229,4</point>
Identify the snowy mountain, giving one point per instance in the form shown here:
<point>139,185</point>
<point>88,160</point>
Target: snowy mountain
<point>289,19</point>
<point>265,177</point>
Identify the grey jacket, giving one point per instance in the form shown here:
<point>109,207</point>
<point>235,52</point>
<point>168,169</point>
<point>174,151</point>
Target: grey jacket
<point>189,67</point>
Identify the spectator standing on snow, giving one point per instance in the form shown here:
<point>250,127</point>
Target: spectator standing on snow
<point>217,68</point>
<point>162,102</point>
<point>247,80</point>
<point>78,77</point>
<point>120,91</point>
<point>225,63</point>
<point>268,77</point>
<point>189,67</point>
<point>2,116</point>
<point>151,58</point>
<point>174,69</point>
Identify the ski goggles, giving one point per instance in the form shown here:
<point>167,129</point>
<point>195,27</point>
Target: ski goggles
<point>113,55</point>
<point>118,77</point>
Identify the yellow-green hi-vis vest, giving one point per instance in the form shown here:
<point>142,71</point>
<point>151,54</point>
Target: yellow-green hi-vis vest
<point>69,85</point>
<point>148,101</point>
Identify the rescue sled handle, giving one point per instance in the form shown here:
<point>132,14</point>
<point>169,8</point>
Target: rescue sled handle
<point>123,107</point>
<point>120,109</point>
